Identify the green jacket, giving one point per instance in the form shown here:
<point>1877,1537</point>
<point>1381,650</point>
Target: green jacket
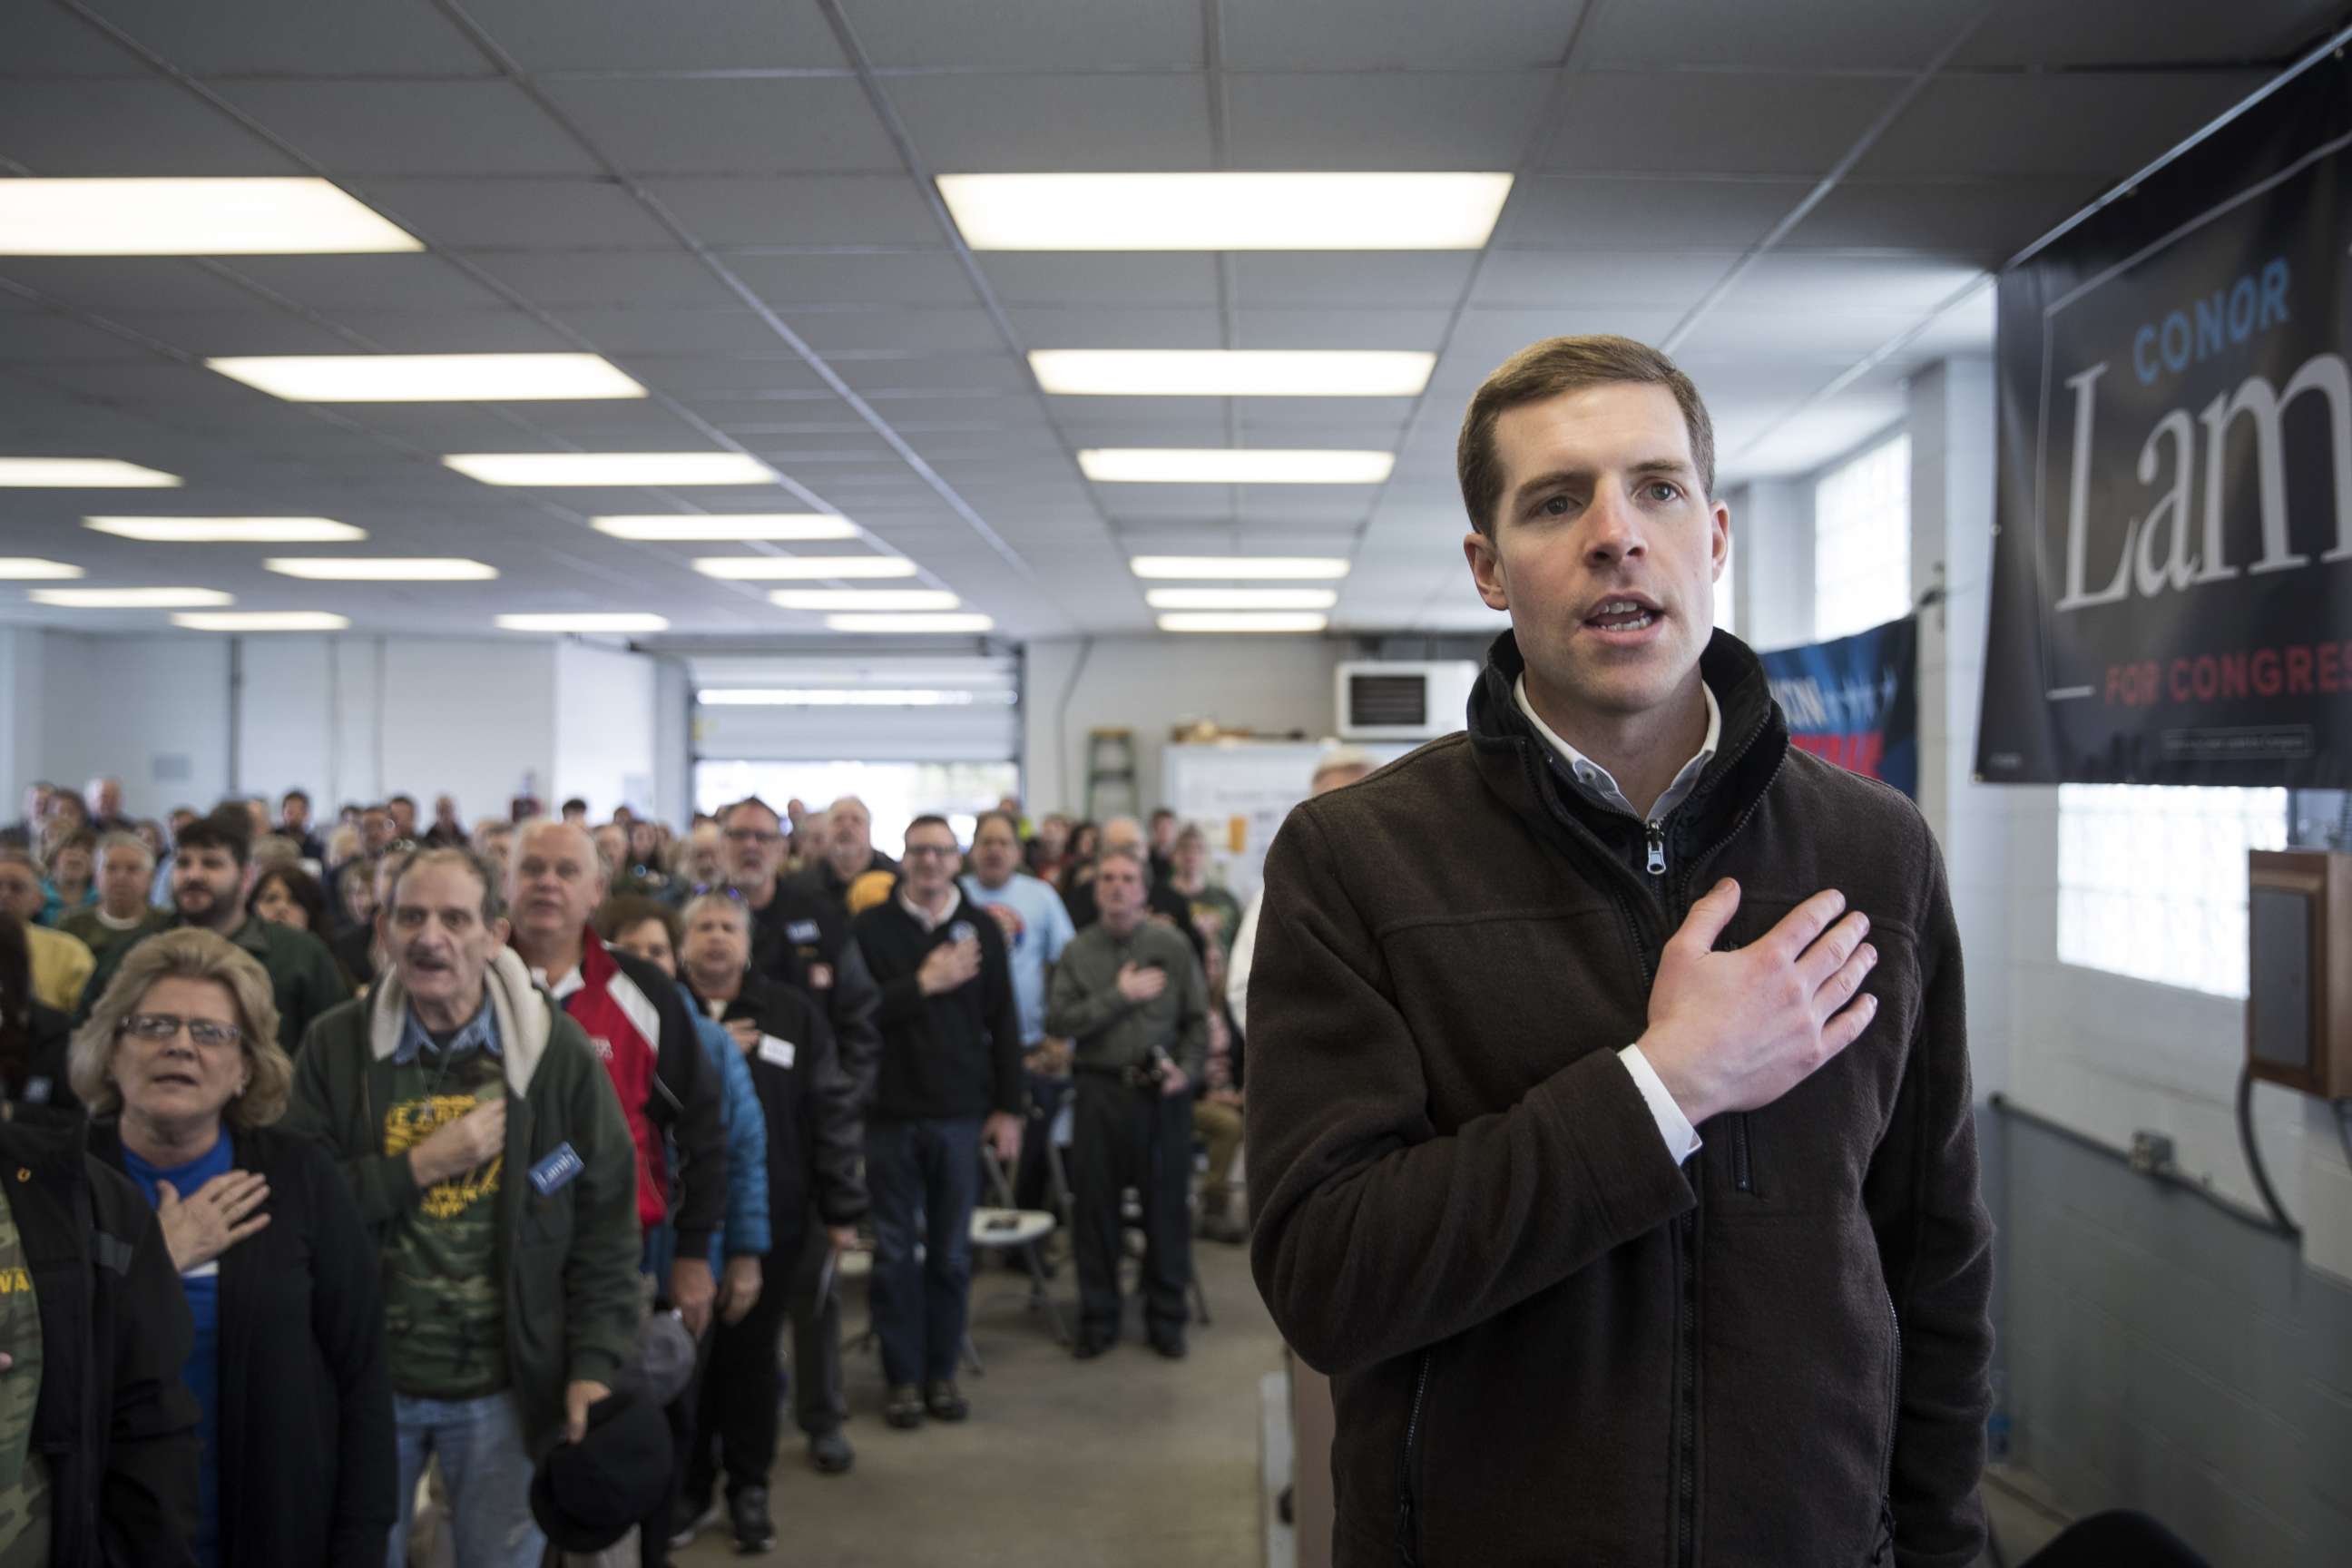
<point>98,936</point>
<point>570,1256</point>
<point>1109,1033</point>
<point>304,974</point>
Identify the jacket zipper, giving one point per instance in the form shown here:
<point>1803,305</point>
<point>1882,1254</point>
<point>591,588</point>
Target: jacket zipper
<point>1656,832</point>
<point>1408,1530</point>
<point>1743,1174</point>
<point>1885,1549</point>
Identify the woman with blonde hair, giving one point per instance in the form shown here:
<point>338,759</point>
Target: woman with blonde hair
<point>179,1066</point>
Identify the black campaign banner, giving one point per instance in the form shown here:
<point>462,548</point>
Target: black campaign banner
<point>2173,568</point>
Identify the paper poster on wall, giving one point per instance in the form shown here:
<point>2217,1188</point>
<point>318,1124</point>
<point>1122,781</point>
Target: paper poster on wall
<point>2172,569</point>
<point>1240,792</point>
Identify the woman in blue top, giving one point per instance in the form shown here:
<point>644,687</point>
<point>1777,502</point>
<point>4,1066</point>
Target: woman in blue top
<point>179,1062</point>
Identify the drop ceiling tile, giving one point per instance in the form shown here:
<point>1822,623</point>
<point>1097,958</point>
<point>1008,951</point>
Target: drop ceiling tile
<point>538,214</point>
<point>467,128</point>
<point>1364,278</point>
<point>1301,328</point>
<point>297,38</point>
<point>1674,279</point>
<point>211,334</point>
<point>912,328</point>
<point>97,128</point>
<point>1984,224</point>
<point>915,278</point>
<point>656,329</point>
<point>1820,35</point>
<point>1093,328</point>
<point>1144,278</point>
<point>1470,120</point>
<point>1568,213</point>
<point>413,283</point>
<point>622,36</point>
<point>1027,35</point>
<point>2094,125</point>
<point>37,337</point>
<point>669,278</point>
<point>1689,123</point>
<point>2025,35</point>
<point>107,283</point>
<point>1395,35</point>
<point>48,41</point>
<point>1838,338</point>
<point>1830,284</point>
<point>1486,338</point>
<point>964,125</point>
<point>836,210</point>
<point>694,378</point>
<point>756,125</point>
<point>990,372</point>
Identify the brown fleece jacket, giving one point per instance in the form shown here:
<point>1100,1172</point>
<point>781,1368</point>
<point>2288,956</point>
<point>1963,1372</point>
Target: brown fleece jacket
<point>1549,1343</point>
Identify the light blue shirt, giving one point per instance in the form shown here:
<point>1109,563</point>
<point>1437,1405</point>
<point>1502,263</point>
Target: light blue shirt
<point>1046,931</point>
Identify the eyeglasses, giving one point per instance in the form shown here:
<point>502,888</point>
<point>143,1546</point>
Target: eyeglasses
<point>157,1027</point>
<point>751,836</point>
<point>931,851</point>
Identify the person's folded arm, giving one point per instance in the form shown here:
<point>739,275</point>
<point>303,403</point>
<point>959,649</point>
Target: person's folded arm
<point>1373,1232</point>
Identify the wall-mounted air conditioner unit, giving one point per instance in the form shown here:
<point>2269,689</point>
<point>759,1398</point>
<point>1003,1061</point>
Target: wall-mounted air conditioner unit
<point>1399,702</point>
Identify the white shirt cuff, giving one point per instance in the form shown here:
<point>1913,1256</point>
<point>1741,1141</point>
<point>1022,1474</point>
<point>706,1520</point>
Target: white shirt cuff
<point>1682,1138</point>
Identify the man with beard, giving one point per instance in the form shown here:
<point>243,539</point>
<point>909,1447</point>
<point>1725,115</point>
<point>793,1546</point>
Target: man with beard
<point>208,891</point>
<point>497,1177</point>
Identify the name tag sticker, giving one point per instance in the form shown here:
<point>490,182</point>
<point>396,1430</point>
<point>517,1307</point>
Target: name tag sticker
<point>556,1169</point>
<point>36,1090</point>
<point>801,931</point>
<point>772,1049</point>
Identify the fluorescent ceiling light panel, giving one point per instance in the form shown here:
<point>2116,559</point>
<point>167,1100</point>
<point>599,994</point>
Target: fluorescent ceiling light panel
<point>1241,599</point>
<point>227,530</point>
<point>790,526</point>
<point>28,568</point>
<point>262,621</point>
<point>612,469</point>
<point>844,697</point>
<point>189,217</point>
<point>81,473</point>
<point>1239,568</point>
<point>130,598</point>
<point>1239,623</point>
<point>430,378</point>
<point>1231,373</point>
<point>801,568</point>
<point>382,568</point>
<point>863,599</point>
<point>908,623</point>
<point>1226,211</point>
<point>608,621</point>
<point>1232,465</point>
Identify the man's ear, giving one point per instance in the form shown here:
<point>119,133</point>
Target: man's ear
<point>1486,570</point>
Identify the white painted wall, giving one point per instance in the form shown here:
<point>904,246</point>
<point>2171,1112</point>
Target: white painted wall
<point>1273,685</point>
<point>604,723</point>
<point>153,711</point>
<point>361,718</point>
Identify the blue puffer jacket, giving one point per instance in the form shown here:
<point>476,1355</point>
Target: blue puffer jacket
<point>746,1230</point>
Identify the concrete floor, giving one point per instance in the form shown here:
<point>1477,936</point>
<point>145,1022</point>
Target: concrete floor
<point>1129,1461</point>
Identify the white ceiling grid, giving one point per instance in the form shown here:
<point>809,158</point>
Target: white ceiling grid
<point>729,199</point>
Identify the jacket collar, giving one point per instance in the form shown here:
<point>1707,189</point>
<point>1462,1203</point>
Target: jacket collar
<point>525,1017</point>
<point>1519,767</point>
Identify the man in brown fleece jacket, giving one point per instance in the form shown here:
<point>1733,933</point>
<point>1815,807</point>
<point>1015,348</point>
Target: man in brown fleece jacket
<point>1612,1149</point>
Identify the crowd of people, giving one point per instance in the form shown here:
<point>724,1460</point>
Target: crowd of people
<point>492,1160</point>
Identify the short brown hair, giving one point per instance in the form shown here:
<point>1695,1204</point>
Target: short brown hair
<point>190,954</point>
<point>1549,369</point>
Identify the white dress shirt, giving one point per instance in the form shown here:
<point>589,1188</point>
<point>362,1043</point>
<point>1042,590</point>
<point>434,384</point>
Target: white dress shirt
<point>1595,783</point>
